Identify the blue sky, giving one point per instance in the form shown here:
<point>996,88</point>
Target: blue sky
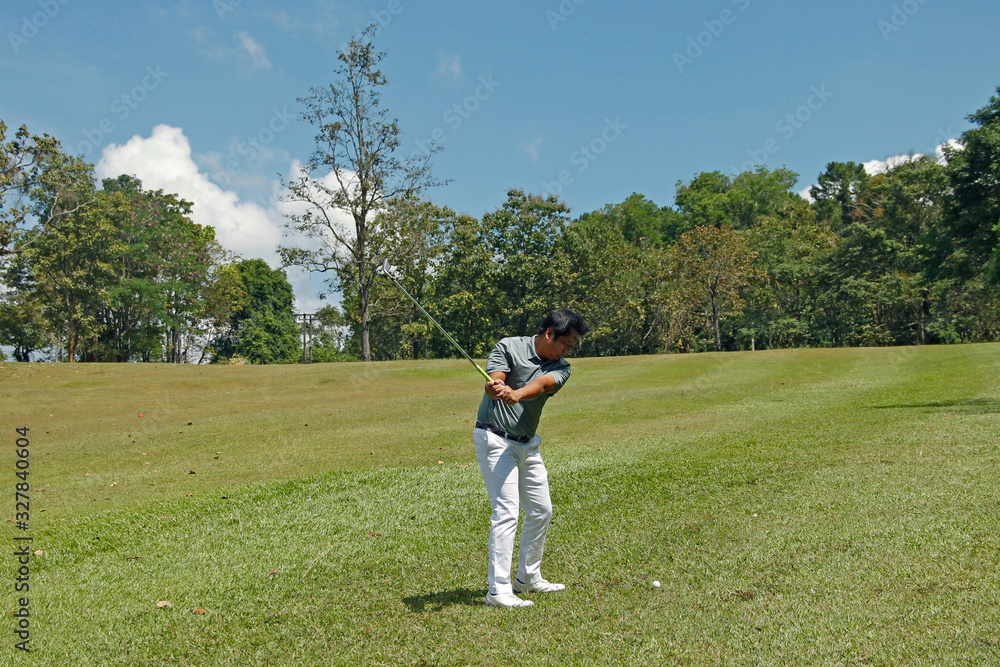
<point>587,99</point>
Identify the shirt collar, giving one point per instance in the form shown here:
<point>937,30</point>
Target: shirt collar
<point>533,356</point>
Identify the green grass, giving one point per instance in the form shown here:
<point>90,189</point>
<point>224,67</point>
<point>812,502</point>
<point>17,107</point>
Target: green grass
<point>799,507</point>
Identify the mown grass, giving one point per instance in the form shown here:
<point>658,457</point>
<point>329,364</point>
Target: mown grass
<point>799,507</point>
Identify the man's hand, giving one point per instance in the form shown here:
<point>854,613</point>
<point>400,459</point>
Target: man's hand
<point>546,384</point>
<point>493,388</point>
<point>508,395</point>
<point>498,390</point>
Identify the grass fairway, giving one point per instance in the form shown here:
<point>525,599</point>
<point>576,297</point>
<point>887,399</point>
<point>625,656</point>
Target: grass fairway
<point>799,507</point>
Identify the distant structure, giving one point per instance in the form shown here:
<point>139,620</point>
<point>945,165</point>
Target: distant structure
<point>307,321</point>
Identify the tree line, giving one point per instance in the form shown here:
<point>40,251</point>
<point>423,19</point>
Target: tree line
<point>908,256</point>
<point>115,272</point>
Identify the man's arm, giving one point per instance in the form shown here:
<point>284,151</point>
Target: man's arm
<point>545,384</point>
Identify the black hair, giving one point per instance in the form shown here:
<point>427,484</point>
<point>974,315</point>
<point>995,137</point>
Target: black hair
<point>563,321</point>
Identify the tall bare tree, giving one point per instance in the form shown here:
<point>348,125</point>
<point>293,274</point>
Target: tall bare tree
<point>355,171</point>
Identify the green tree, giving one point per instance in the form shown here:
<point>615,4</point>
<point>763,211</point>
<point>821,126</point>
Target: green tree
<point>261,326</point>
<point>24,160</point>
<point>708,268</point>
<point>908,202</point>
<point>522,236</point>
<point>780,301</point>
<point>330,336</point>
<point>860,294</point>
<point>876,288</point>
<point>354,172</point>
<point>763,194</point>
<point>973,214</point>
<point>225,299</point>
<point>712,198</point>
<point>838,192</point>
<point>162,272</point>
<point>611,281</point>
<point>22,324</point>
<point>773,220</point>
<point>413,243</point>
<point>704,200</point>
<point>782,232</point>
<point>641,221</point>
<point>468,296</point>
<point>72,262</point>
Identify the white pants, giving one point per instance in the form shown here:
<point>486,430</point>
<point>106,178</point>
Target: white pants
<point>514,472</point>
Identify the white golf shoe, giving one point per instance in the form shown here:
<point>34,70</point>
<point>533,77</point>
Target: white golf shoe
<point>506,600</point>
<point>539,586</point>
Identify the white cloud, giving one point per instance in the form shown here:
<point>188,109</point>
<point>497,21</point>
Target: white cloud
<point>164,161</point>
<point>874,167</point>
<point>253,48</point>
<point>880,166</point>
<point>954,144</point>
<point>450,67</point>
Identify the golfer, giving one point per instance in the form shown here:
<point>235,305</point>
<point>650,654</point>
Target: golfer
<point>526,370</point>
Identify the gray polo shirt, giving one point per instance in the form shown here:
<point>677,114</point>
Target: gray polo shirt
<point>517,358</point>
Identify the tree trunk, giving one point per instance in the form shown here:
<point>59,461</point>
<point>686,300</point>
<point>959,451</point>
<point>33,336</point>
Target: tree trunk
<point>366,352</point>
<point>70,331</point>
<point>715,322</point>
<point>416,337</point>
<point>925,313</point>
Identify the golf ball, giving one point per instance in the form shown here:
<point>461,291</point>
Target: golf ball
<point>656,584</point>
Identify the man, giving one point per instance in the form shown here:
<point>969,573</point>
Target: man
<point>526,370</point>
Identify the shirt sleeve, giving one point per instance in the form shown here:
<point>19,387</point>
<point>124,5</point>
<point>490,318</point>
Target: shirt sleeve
<point>559,373</point>
<point>498,359</point>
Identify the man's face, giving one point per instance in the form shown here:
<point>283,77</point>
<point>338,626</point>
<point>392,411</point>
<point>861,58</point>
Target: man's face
<point>552,348</point>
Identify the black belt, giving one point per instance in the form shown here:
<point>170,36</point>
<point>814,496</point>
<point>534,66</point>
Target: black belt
<point>523,439</point>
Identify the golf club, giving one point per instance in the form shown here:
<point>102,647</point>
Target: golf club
<point>384,270</point>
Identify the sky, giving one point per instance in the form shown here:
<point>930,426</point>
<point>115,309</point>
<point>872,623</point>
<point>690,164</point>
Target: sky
<point>588,100</point>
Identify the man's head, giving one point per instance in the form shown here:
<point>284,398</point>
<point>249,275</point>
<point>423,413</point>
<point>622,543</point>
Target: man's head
<point>559,333</point>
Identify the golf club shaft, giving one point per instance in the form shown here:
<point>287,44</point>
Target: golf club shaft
<point>441,329</point>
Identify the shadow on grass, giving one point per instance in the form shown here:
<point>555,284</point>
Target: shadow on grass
<point>441,599</point>
<point>979,405</point>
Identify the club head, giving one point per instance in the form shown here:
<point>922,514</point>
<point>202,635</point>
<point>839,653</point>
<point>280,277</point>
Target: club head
<point>384,269</point>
